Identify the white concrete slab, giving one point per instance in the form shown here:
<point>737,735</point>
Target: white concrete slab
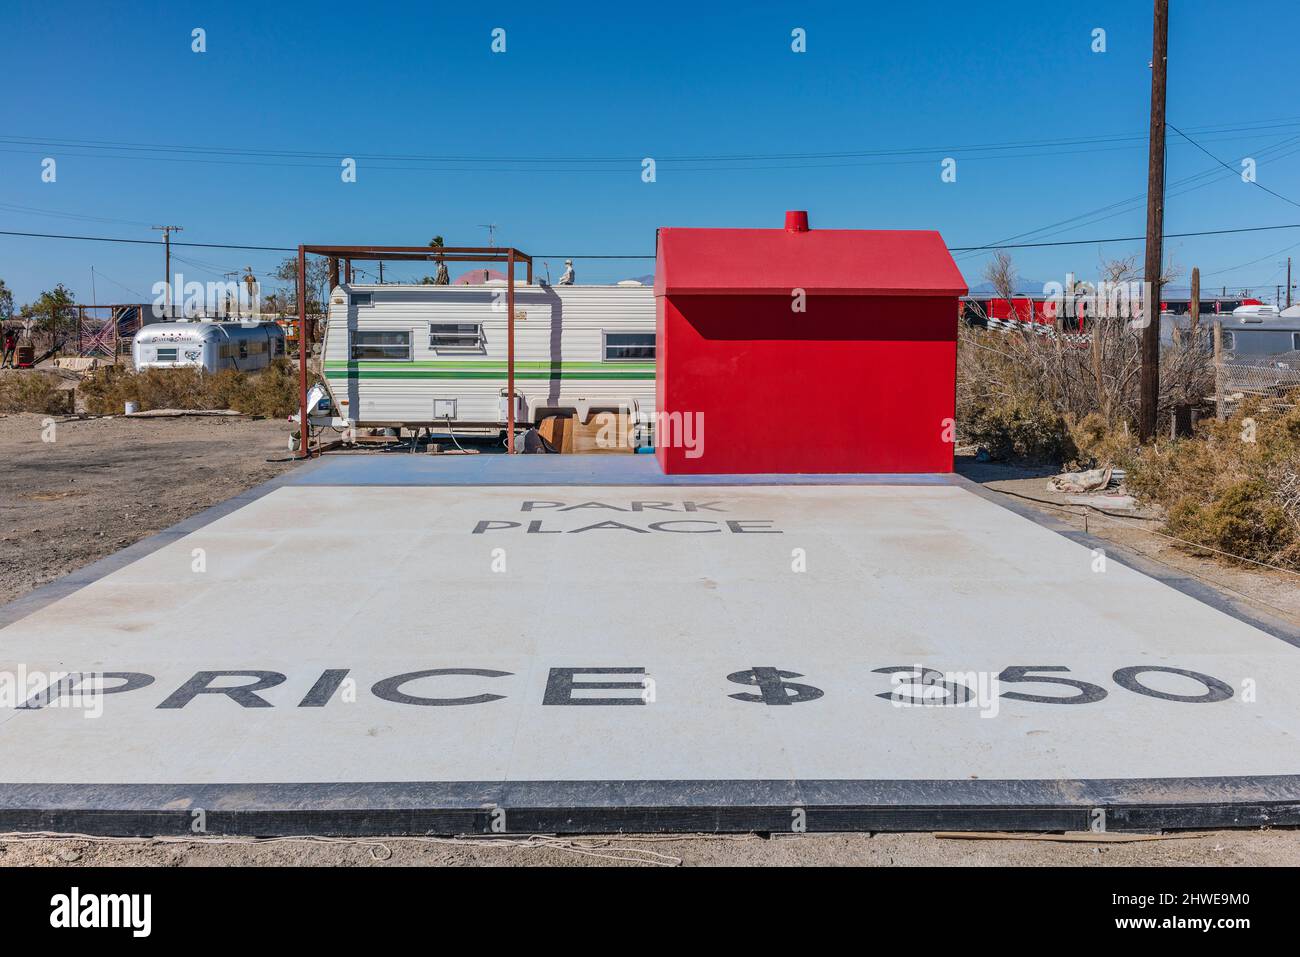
<point>831,585</point>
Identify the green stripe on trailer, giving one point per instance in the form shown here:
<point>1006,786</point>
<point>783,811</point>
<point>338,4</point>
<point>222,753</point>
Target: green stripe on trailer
<point>482,366</point>
<point>341,374</point>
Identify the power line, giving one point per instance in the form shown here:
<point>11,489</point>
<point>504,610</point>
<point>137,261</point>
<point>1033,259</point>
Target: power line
<point>1010,149</point>
<point>1125,239</point>
<point>148,242</point>
<point>1230,169</point>
<point>536,256</point>
<point>1217,272</point>
<point>96,272</point>
<point>1139,199</point>
<point>30,210</point>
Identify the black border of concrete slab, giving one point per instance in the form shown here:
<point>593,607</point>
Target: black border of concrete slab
<point>591,807</point>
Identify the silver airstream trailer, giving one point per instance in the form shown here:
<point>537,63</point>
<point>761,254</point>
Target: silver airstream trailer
<point>1259,331</point>
<point>209,345</point>
<point>1250,333</point>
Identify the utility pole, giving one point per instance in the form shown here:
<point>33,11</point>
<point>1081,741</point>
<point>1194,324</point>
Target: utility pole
<point>1194,307</point>
<point>167,260</point>
<point>1149,388</point>
<point>1288,282</point>
<point>381,274</point>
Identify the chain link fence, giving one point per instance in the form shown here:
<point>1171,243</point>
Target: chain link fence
<point>1276,379</point>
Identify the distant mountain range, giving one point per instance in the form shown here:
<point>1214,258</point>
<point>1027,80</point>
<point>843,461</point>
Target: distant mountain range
<point>1024,287</point>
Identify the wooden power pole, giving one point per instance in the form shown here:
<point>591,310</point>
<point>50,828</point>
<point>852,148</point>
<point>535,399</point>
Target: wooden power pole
<point>1150,380</point>
<point>1194,307</point>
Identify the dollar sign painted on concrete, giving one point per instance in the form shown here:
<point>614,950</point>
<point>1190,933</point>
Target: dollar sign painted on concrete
<point>772,687</point>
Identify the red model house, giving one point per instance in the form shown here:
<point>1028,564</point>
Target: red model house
<point>861,380</point>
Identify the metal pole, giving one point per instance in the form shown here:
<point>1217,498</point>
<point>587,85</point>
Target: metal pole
<point>1149,390</point>
<point>303,345</point>
<point>1218,369</point>
<point>510,352</point>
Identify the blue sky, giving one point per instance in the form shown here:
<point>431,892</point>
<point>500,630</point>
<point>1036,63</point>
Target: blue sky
<point>553,130</point>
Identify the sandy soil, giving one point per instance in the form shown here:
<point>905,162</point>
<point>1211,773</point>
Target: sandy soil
<point>1219,848</point>
<point>104,483</point>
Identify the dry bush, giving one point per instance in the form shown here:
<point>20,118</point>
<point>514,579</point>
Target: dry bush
<point>1019,429</point>
<point>1234,487</point>
<point>1034,394</point>
<point>271,392</point>
<point>1085,392</point>
<point>24,391</point>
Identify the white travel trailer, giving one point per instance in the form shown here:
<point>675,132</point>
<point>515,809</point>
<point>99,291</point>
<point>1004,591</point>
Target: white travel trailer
<point>209,345</point>
<point>406,355</point>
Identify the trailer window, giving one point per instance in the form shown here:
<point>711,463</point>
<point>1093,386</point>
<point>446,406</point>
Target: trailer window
<point>381,345</point>
<point>166,355</point>
<point>455,336</point>
<point>1295,341</point>
<point>629,346</point>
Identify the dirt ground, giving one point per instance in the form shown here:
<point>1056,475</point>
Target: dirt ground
<point>1219,848</point>
<point>104,483</point>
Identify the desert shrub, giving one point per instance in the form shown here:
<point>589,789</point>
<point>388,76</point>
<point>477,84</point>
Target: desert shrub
<point>1022,429</point>
<point>1085,393</point>
<point>1245,519</point>
<point>271,392</point>
<point>24,391</point>
<point>1234,486</point>
<point>1099,443</point>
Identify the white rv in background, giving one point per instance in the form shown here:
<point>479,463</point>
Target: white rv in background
<point>207,344</point>
<point>406,355</point>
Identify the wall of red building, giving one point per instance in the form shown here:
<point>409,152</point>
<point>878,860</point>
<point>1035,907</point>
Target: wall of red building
<point>855,384</point>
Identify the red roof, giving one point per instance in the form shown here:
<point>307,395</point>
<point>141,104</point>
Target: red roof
<point>849,262</point>
<point>477,276</point>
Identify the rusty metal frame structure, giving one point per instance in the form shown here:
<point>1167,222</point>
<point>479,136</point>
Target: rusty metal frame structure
<point>445,254</point>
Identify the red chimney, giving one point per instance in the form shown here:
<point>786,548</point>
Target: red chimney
<point>796,221</point>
